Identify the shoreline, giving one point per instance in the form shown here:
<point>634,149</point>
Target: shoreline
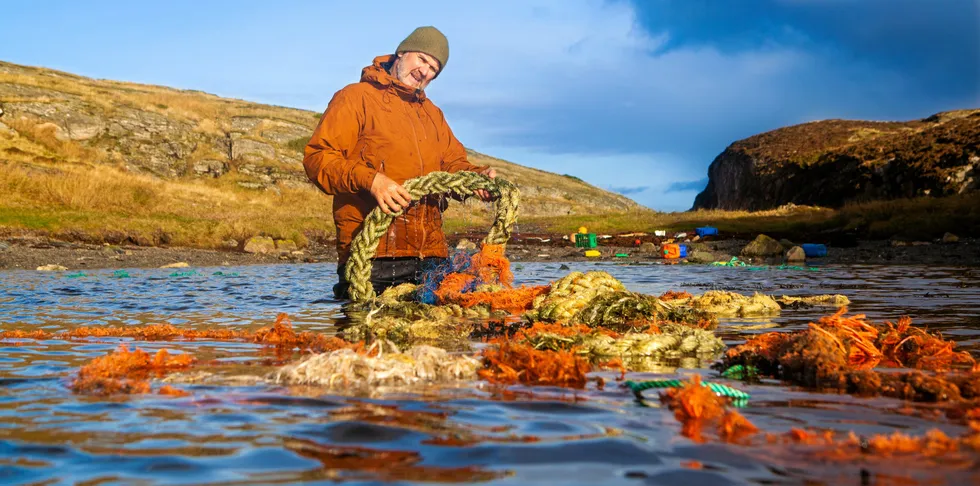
<point>29,253</point>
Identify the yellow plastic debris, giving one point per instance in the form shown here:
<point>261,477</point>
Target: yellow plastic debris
<point>592,253</point>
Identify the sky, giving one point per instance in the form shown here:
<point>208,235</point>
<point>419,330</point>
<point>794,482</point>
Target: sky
<point>636,97</point>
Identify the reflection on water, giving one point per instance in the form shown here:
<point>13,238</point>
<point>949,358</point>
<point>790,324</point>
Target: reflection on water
<point>256,434</point>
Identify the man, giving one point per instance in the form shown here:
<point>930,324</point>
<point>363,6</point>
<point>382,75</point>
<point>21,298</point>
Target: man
<point>375,135</point>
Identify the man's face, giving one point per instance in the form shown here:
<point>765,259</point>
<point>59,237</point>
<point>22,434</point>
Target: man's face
<point>416,69</point>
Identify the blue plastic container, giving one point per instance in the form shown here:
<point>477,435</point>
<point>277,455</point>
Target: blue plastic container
<point>683,250</point>
<point>706,231</point>
<point>814,250</point>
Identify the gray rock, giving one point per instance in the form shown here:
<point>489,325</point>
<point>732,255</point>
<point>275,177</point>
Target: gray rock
<point>52,268</point>
<point>59,133</point>
<point>230,243</point>
<point>245,123</point>
<point>210,168</point>
<point>698,256</point>
<point>795,254</point>
<point>82,126</point>
<point>251,150</point>
<point>282,132</point>
<point>260,244</point>
<point>649,247</point>
<point>763,246</point>
<point>786,244</point>
<point>111,251</point>
<point>4,246</point>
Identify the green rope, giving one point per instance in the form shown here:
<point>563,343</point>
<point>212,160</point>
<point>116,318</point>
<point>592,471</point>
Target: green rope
<point>741,372</point>
<point>734,262</point>
<point>717,388</point>
<point>365,243</point>
<point>191,273</point>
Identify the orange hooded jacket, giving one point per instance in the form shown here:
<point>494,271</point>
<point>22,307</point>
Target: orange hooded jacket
<point>383,125</point>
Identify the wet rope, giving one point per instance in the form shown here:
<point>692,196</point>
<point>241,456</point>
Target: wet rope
<point>365,243</point>
<point>717,388</point>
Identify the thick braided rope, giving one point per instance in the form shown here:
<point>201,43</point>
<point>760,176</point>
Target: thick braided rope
<point>718,388</point>
<point>365,243</point>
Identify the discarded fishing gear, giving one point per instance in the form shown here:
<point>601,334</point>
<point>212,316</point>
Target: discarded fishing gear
<point>638,387</point>
<point>365,243</point>
<point>348,368</point>
<point>846,353</point>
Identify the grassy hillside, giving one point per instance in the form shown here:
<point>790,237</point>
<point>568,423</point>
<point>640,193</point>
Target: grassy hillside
<point>836,162</point>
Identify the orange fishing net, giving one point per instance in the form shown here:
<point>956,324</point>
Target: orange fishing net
<point>514,301</point>
<point>285,340</point>
<point>705,417</point>
<point>511,362</point>
<point>844,352</point>
<point>126,371</point>
<point>492,267</point>
<point>673,295</point>
<point>695,406</point>
<point>488,267</point>
<point>279,335</point>
<point>452,286</point>
<point>149,332</point>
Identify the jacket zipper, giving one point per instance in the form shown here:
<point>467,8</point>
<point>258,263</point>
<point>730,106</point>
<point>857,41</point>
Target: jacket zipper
<point>420,224</point>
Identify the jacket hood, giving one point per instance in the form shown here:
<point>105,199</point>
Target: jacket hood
<point>377,74</point>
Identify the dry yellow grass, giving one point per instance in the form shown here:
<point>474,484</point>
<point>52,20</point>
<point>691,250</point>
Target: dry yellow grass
<point>95,200</point>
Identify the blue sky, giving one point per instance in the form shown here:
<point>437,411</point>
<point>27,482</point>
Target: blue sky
<point>633,96</point>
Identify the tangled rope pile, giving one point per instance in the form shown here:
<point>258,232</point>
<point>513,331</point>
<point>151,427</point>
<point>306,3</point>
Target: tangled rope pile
<point>589,315</point>
<point>463,184</point>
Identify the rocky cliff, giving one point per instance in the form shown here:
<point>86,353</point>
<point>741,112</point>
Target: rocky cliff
<point>833,162</point>
<point>181,134</point>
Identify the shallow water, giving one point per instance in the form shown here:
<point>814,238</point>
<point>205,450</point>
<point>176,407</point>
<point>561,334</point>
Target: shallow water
<point>518,435</point>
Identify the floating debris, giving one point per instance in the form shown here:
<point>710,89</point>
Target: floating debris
<point>835,300</point>
<point>570,294</point>
<point>845,353</point>
<point>348,368</point>
<point>731,304</point>
<point>125,371</point>
<point>696,406</point>
<point>511,362</point>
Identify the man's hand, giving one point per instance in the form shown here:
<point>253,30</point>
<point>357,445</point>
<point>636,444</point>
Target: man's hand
<point>482,193</point>
<point>391,196</point>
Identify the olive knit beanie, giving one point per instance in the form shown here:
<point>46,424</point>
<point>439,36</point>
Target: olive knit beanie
<point>428,40</point>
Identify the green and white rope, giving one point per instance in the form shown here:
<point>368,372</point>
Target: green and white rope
<point>718,388</point>
<point>365,243</point>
